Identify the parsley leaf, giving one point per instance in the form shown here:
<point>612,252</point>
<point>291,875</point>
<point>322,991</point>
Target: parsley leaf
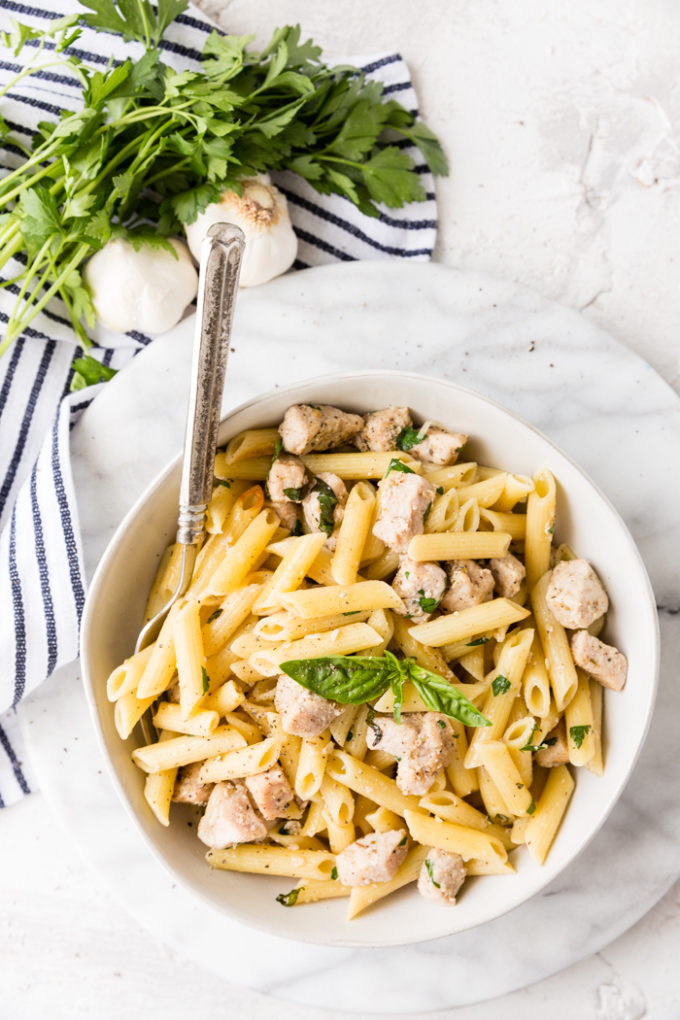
<point>327,504</point>
<point>408,438</point>
<point>206,679</point>
<point>289,899</point>
<point>214,616</point>
<point>295,495</point>
<point>500,684</point>
<point>477,641</point>
<point>89,371</point>
<point>398,465</point>
<point>548,742</point>
<point>578,734</point>
<point>334,873</point>
<point>430,871</point>
<point>428,605</point>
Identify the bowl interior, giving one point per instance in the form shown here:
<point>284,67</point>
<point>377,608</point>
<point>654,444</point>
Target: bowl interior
<point>585,520</point>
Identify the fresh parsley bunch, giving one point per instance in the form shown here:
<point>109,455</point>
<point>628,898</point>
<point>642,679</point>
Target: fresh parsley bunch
<point>151,147</point>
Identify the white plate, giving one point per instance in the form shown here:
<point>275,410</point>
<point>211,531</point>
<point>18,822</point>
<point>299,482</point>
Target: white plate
<point>600,402</point>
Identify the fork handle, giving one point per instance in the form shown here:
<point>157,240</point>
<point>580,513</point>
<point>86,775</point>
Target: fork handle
<point>221,254</point>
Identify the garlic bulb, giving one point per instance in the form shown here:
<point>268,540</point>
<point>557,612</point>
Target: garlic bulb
<point>145,290</point>
<point>262,214</point>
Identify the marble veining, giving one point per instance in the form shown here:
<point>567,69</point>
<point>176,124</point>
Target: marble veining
<point>599,402</point>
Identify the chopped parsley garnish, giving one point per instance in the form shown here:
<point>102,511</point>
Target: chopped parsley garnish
<point>402,842</point>
<point>428,605</point>
<point>407,574</point>
<point>551,529</point>
<point>327,504</point>
<point>289,899</point>
<point>214,616</point>
<point>548,742</point>
<point>295,495</point>
<point>428,865</point>
<point>532,807</point>
<point>500,684</point>
<point>398,465</point>
<point>440,490</point>
<point>352,612</point>
<point>578,734</point>
<point>350,735</point>
<point>297,529</point>
<point>441,723</point>
<point>206,679</point>
<point>226,482</point>
<point>278,447</point>
<point>334,873</point>
<point>427,512</point>
<point>477,641</point>
<point>408,438</point>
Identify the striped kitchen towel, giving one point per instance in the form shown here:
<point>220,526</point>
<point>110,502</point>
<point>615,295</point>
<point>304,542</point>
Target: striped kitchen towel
<point>42,583</point>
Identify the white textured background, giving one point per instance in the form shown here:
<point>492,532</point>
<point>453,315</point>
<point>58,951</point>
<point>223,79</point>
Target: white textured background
<point>561,123</point>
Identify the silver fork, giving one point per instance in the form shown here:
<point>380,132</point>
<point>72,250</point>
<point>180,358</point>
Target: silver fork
<point>221,255</point>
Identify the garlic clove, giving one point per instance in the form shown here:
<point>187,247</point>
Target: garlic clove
<point>146,290</point>
<point>262,214</point>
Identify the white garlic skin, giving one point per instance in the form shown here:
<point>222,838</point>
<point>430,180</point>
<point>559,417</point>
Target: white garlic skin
<point>262,214</point>
<point>146,290</point>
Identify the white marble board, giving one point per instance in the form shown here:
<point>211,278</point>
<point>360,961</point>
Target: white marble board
<point>601,403</point>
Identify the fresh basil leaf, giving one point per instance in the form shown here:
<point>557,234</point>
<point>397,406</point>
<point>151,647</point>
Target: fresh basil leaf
<point>398,465</point>
<point>397,685</point>
<point>500,684</point>
<point>440,696</point>
<point>347,679</point>
<point>327,504</point>
<point>408,438</point>
<point>295,495</point>
<point>548,742</point>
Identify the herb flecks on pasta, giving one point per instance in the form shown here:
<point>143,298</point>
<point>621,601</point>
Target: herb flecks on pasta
<point>384,671</point>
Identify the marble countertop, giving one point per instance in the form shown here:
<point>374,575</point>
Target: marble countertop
<point>561,125</point>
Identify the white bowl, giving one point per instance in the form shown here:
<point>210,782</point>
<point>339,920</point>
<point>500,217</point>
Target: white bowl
<point>585,519</point>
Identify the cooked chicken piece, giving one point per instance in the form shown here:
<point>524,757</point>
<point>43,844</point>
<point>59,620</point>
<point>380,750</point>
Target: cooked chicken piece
<point>188,788</point>
<point>470,584</point>
<point>271,792</point>
<point>439,446</point>
<point>307,427</point>
<point>420,586</point>
<point>557,753</point>
<point>404,501</point>
<point>230,818</point>
<point>508,574</point>
<point>382,428</point>
<point>286,512</point>
<point>575,594</point>
<point>422,743</point>
<point>441,876</point>
<point>373,858</point>
<point>286,479</point>
<point>320,510</point>
<point>303,713</point>
<point>603,662</point>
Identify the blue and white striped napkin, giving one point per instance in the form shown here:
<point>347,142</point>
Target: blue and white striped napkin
<point>42,583</point>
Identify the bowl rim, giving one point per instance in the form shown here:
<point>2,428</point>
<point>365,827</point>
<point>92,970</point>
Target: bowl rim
<point>253,920</point>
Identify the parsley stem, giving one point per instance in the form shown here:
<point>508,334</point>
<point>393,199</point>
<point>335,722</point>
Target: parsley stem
<point>14,327</point>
